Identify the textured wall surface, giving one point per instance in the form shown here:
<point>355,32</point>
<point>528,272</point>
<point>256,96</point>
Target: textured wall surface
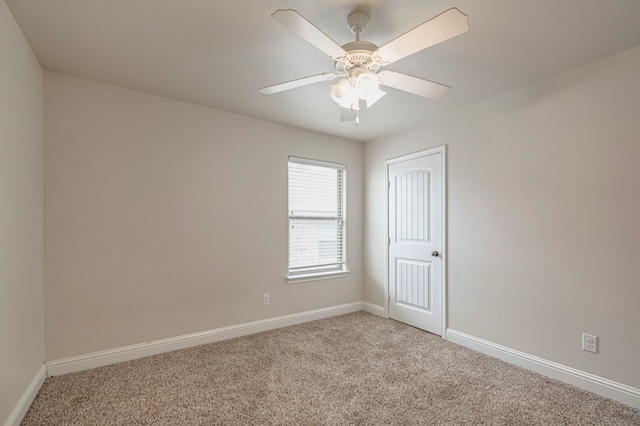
<point>21,305</point>
<point>543,230</point>
<point>164,218</point>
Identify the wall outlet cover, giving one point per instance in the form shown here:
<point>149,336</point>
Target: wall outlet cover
<point>589,343</point>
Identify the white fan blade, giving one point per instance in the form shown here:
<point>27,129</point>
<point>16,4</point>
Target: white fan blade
<point>281,87</point>
<point>305,29</point>
<point>414,85</point>
<point>438,29</point>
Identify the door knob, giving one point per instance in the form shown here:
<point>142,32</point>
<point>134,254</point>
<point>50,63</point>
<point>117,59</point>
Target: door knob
<point>435,253</point>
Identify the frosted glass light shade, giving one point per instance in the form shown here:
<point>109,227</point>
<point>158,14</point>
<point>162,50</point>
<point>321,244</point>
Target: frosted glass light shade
<point>348,91</point>
<point>344,94</point>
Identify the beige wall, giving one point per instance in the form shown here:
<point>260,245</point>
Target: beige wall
<point>164,218</point>
<point>21,309</point>
<point>544,208</point>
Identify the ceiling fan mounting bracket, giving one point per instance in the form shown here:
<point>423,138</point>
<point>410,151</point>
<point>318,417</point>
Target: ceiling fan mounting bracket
<point>357,22</point>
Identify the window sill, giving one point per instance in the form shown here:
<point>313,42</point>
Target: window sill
<point>316,277</point>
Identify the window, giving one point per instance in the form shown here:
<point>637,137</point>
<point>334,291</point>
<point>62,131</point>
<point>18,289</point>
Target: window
<point>316,219</point>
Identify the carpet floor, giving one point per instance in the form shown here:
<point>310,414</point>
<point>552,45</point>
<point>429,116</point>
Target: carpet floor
<point>356,369</point>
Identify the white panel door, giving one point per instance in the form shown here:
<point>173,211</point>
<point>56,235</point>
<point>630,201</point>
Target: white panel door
<point>415,208</point>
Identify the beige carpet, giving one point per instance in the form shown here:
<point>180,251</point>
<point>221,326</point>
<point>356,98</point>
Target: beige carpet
<point>355,369</point>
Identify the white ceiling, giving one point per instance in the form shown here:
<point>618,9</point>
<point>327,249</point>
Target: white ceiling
<point>219,53</point>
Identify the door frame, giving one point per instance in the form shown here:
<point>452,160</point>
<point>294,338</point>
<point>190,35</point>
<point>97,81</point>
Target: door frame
<point>442,150</point>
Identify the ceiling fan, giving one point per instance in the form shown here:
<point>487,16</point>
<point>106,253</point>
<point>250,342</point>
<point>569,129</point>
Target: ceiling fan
<point>358,63</point>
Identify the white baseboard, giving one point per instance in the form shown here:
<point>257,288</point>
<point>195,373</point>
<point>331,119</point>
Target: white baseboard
<point>27,398</point>
<point>128,353</point>
<point>374,309</point>
<point>587,381</point>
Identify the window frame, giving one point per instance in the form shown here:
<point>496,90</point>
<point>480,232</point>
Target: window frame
<point>312,273</point>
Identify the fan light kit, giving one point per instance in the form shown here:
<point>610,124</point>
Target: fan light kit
<point>358,63</point>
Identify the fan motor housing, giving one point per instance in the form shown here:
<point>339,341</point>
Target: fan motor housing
<point>359,54</point>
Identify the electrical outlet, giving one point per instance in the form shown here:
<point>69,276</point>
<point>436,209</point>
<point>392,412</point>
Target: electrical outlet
<point>589,343</point>
<point>266,299</point>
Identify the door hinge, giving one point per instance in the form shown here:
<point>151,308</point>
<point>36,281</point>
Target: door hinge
<point>389,298</point>
<point>388,241</point>
<point>388,184</point>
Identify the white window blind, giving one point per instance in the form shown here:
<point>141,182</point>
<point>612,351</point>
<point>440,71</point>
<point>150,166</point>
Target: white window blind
<point>316,217</point>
